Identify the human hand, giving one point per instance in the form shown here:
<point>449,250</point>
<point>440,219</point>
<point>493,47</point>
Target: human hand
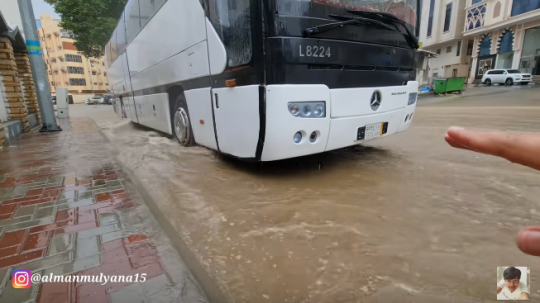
<point>521,148</point>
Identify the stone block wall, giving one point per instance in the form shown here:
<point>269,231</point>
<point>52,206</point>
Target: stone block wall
<point>13,95</point>
<point>28,87</point>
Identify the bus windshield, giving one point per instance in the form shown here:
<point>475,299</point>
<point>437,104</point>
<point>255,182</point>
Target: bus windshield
<point>403,9</point>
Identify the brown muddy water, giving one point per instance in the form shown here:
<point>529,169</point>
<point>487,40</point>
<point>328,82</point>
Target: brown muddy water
<point>402,219</point>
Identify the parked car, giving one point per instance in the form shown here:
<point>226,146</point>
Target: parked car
<point>109,99</point>
<point>96,99</point>
<point>506,76</point>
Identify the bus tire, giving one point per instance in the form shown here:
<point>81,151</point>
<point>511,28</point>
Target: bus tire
<point>181,122</point>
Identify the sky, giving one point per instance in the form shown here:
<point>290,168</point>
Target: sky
<point>40,7</point>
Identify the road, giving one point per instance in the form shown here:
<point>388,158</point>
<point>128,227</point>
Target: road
<point>402,219</point>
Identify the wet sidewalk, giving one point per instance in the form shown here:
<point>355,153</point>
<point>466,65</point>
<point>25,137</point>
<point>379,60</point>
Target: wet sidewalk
<point>66,208</point>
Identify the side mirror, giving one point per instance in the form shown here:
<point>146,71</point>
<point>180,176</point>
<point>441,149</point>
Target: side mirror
<point>505,73</point>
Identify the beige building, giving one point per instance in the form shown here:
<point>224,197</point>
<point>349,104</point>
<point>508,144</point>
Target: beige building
<point>66,67</point>
<point>441,32</point>
<point>506,35</point>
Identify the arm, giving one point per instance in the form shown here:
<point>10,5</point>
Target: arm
<point>524,296</point>
<point>498,289</point>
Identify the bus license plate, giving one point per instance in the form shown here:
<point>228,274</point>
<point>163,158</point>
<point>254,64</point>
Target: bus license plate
<point>371,131</point>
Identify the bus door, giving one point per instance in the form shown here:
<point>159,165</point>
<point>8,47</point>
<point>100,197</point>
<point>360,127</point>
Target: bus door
<point>235,88</point>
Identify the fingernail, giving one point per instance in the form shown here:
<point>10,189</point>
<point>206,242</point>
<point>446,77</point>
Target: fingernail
<point>528,240</point>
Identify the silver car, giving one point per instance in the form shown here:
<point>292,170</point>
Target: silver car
<point>97,99</point>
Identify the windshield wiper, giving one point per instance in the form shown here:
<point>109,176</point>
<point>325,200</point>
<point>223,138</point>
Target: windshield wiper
<point>345,20</point>
<point>389,18</point>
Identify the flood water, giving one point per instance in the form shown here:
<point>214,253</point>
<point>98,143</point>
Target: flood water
<point>401,219</point>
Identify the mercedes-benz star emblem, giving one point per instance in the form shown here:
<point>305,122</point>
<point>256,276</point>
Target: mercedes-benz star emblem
<point>375,100</point>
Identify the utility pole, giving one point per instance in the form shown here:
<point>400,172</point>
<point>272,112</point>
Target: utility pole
<point>91,75</point>
<point>38,67</point>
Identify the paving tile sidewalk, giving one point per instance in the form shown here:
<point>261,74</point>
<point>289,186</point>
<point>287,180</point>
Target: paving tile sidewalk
<point>66,208</point>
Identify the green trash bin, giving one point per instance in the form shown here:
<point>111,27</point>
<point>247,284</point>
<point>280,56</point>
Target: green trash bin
<point>455,84</point>
<point>440,86</point>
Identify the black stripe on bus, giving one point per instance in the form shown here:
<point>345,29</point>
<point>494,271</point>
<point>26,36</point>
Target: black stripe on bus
<point>163,89</point>
<point>262,122</point>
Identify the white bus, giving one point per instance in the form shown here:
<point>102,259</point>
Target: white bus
<point>267,80</point>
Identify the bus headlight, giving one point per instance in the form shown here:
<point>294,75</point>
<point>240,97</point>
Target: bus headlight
<point>412,98</point>
<point>307,109</point>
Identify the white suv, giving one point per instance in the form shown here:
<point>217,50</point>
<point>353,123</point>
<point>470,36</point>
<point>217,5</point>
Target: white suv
<point>506,76</point>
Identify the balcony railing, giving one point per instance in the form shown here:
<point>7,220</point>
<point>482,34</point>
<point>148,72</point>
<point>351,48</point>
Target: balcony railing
<point>475,17</point>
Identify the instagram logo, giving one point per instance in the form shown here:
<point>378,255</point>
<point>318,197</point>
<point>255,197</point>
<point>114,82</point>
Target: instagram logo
<point>21,278</point>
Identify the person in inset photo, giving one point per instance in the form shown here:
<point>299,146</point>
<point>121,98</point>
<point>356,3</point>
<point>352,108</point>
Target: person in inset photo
<point>510,287</point>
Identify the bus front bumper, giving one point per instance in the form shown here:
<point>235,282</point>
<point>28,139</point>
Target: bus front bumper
<point>349,118</point>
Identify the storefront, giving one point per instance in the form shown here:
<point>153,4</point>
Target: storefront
<point>530,55</point>
<point>485,60</point>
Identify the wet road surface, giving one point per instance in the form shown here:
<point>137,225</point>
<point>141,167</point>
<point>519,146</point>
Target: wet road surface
<point>402,219</point>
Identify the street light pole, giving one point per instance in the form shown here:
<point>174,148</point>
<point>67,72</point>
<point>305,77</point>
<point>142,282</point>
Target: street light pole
<point>38,67</point>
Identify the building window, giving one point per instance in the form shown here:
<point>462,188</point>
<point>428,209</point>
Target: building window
<point>50,72</point>
<point>447,18</point>
<point>52,83</point>
<point>42,38</point>
<point>430,18</point>
<point>77,82</point>
<point>485,46</point>
<point>454,72</point>
<point>105,74</point>
<point>470,45</point>
<point>523,6</point>
<point>497,10</point>
<point>95,83</point>
<point>66,34</point>
<point>449,49</point>
<point>75,70</point>
<point>476,1</point>
<point>458,52</point>
<point>73,58</point>
<point>438,51</point>
<point>506,42</point>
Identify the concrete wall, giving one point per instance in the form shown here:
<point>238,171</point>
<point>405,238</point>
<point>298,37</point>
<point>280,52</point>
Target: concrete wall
<point>80,98</point>
<point>446,62</point>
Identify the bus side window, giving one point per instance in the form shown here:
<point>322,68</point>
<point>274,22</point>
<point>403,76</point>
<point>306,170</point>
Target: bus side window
<point>232,21</point>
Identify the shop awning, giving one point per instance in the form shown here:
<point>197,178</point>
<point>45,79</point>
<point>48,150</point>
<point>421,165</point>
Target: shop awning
<point>13,34</point>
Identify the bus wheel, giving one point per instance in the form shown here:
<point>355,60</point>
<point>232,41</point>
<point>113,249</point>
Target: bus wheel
<point>181,123</point>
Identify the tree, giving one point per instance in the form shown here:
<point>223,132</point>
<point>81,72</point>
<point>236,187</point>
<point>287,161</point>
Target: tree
<point>92,22</point>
